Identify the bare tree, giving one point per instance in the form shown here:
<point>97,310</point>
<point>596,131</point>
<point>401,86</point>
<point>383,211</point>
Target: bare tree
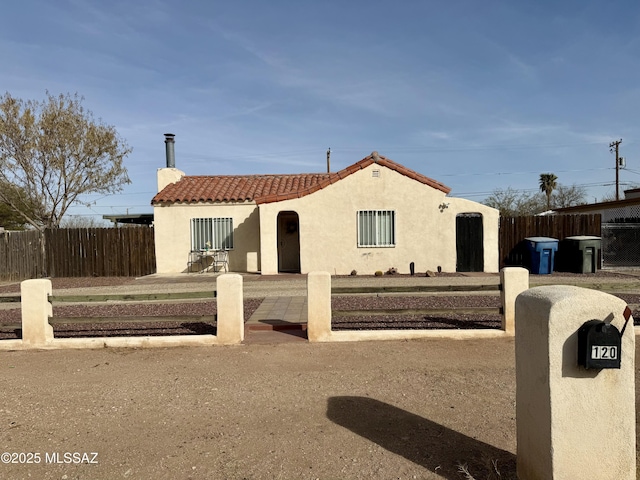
<point>82,221</point>
<point>514,203</point>
<point>611,196</point>
<point>532,204</point>
<point>52,152</point>
<point>505,200</point>
<point>568,196</point>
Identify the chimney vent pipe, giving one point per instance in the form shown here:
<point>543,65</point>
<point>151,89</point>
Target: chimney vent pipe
<point>171,154</point>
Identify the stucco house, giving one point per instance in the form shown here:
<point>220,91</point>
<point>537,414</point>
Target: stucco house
<point>373,215</point>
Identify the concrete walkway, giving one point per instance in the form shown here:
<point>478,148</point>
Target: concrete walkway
<point>279,313</point>
<point>277,320</point>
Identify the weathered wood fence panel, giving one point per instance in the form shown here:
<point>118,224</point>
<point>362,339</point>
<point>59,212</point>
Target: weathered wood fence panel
<point>513,231</point>
<point>21,255</point>
<point>100,252</point>
<point>77,252</point>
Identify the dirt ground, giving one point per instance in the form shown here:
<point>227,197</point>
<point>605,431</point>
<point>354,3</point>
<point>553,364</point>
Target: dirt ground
<point>286,410</point>
<point>405,410</point>
<point>388,410</point>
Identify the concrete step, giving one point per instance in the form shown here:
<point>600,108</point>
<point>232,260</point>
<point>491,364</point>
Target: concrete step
<point>274,325</point>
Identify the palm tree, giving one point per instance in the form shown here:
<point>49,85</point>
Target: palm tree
<point>547,186</point>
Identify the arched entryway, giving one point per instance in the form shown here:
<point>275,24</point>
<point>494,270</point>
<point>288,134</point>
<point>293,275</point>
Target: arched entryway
<point>288,242</point>
<point>469,243</point>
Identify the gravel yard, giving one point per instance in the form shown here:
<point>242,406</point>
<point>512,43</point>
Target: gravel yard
<point>134,319</point>
<point>411,320</point>
<point>151,317</point>
<point>198,317</point>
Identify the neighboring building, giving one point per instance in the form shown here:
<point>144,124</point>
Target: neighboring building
<point>130,219</point>
<point>373,215</point>
<point>615,211</point>
<point>620,228</point>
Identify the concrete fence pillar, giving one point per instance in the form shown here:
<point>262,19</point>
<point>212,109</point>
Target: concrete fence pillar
<point>230,324</point>
<point>36,311</point>
<point>514,281</point>
<point>573,422</point>
<point>318,306</point>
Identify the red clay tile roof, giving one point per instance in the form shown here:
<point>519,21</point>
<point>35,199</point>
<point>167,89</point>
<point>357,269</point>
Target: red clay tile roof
<point>271,188</point>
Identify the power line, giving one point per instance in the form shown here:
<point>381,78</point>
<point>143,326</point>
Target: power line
<point>381,148</point>
<point>118,194</point>
<point>476,174</point>
<point>585,185</point>
<point>468,148</point>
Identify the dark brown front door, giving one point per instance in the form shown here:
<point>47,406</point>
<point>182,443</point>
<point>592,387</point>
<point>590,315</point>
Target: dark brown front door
<point>469,243</point>
<point>288,242</point>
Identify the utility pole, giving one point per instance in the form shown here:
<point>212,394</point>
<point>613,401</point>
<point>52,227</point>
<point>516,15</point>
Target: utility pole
<point>615,147</point>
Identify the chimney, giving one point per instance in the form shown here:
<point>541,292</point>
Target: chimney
<point>171,154</point>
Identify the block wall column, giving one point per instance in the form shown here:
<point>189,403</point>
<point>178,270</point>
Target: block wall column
<point>514,281</point>
<point>572,422</point>
<point>36,311</point>
<point>230,302</point>
<point>318,306</point>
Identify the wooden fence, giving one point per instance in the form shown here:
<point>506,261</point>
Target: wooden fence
<point>77,252</point>
<point>21,255</point>
<point>513,231</point>
<point>109,252</point>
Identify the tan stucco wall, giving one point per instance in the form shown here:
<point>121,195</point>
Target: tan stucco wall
<point>167,176</point>
<point>172,229</point>
<point>425,235</point>
<point>572,423</point>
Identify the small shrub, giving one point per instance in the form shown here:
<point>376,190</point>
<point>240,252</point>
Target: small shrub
<point>353,273</point>
<point>392,271</point>
<point>378,273</point>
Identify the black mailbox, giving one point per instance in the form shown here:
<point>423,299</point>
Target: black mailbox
<point>599,345</point>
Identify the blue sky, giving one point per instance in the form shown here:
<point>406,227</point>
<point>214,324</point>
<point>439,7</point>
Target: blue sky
<point>476,94</point>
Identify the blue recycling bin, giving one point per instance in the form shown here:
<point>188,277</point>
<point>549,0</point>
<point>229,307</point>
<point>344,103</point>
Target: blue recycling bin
<point>542,251</point>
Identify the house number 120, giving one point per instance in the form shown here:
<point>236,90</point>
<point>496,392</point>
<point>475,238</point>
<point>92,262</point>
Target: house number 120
<point>604,352</point>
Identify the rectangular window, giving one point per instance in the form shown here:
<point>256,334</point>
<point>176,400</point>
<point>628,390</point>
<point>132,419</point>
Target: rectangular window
<point>212,233</point>
<point>376,228</point>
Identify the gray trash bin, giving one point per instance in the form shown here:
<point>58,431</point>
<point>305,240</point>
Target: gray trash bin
<point>580,253</point>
